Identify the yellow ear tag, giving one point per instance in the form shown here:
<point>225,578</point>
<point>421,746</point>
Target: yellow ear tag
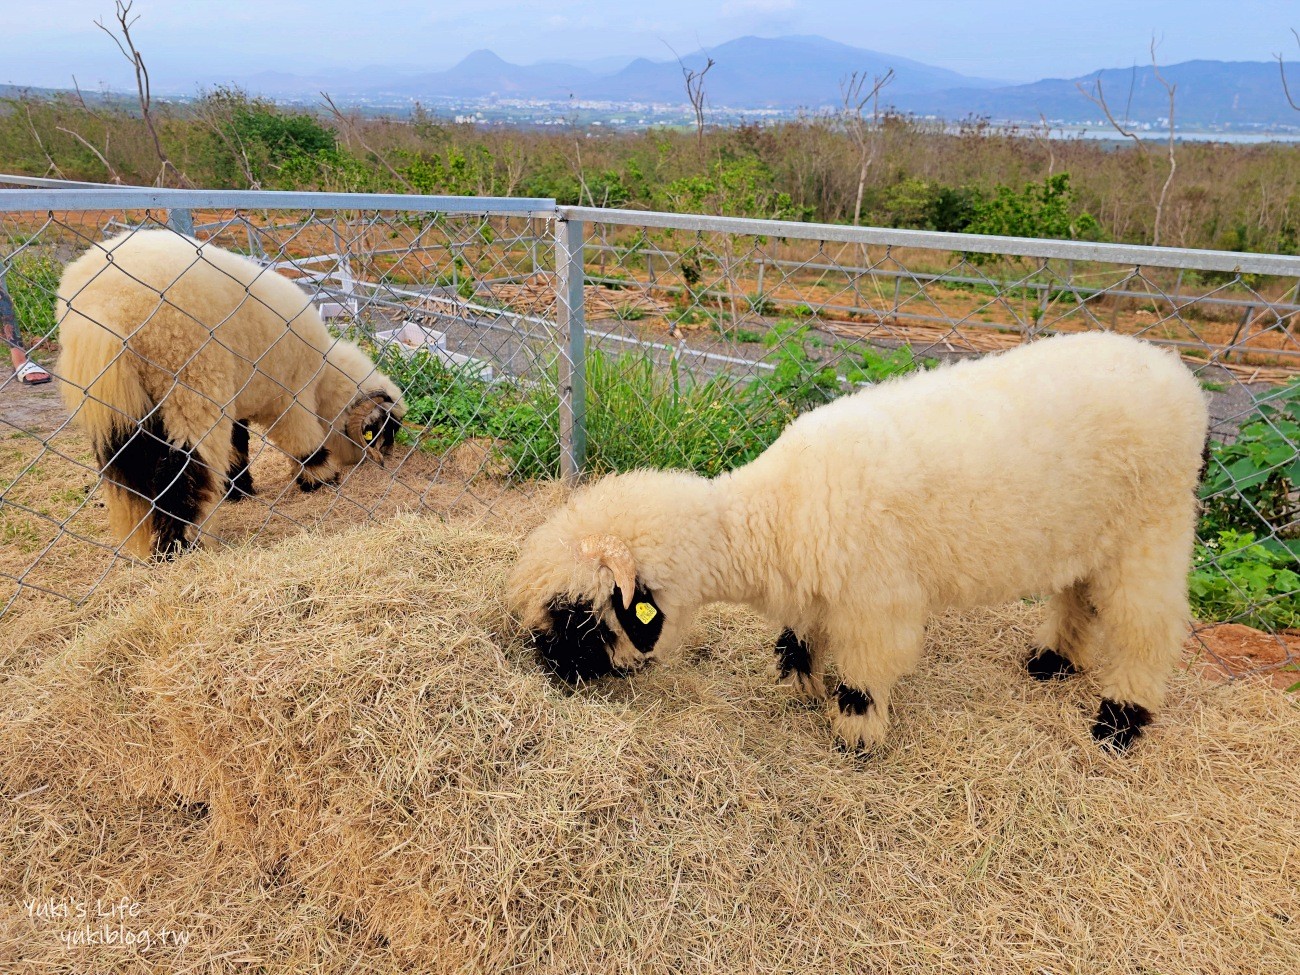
<point>370,435</point>
<point>645,613</point>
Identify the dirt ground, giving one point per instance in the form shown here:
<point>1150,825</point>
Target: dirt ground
<point>1228,650</point>
<point>55,549</point>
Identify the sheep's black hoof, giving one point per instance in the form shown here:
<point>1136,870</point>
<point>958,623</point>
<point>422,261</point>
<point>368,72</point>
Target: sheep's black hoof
<point>1119,725</point>
<point>1047,664</point>
<point>792,655</point>
<point>853,700</point>
<point>310,465</point>
<point>863,753</point>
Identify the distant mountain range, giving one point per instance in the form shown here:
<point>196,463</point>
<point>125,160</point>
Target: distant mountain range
<point>1208,93</point>
<point>792,73</point>
<point>750,72</point>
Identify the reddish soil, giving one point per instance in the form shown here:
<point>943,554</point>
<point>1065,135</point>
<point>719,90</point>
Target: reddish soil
<point>1226,650</point>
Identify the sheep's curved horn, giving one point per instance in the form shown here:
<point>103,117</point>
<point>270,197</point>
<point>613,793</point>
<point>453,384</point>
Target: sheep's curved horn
<point>365,410</point>
<point>610,552</point>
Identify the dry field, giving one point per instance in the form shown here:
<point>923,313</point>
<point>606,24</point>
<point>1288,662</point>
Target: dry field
<point>336,754</point>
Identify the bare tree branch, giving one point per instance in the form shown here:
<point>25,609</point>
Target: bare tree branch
<point>695,93</point>
<point>81,99</point>
<point>1173,160</point>
<point>865,135</point>
<point>1098,98</point>
<point>234,144</point>
<point>127,46</point>
<point>112,173</point>
<point>52,166</point>
<point>347,123</point>
<point>1043,136</point>
<point>1281,67</point>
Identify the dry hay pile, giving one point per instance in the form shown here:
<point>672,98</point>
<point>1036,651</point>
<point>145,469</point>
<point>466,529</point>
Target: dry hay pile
<point>336,755</point>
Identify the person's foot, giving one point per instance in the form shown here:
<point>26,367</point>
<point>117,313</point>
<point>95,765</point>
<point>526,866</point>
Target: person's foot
<point>30,374</point>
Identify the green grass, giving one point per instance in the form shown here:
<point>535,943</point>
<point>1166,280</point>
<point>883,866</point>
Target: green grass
<point>32,282</point>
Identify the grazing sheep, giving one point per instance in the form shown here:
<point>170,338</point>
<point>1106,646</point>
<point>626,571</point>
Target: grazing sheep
<point>1066,468</point>
<point>171,348</point>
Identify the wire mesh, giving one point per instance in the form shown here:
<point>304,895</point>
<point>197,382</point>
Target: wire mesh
<point>529,343</point>
<point>702,344</point>
<point>417,292</point>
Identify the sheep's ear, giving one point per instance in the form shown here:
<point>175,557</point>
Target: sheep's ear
<point>610,552</point>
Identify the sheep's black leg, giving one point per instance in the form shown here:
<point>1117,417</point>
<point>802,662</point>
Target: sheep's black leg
<point>172,480</point>
<point>797,666</point>
<point>852,702</point>
<point>856,701</point>
<point>239,477</point>
<point>184,481</point>
<point>312,463</point>
<point>792,655</point>
<point>1047,664</point>
<point>1119,725</point>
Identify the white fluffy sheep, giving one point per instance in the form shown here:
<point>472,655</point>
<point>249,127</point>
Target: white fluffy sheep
<point>1064,468</point>
<point>171,348</point>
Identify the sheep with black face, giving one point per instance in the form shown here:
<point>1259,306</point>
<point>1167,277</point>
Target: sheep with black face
<point>172,348</point>
<point>1066,468</point>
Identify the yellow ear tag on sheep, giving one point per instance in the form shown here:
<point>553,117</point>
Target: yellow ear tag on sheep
<point>645,613</point>
<point>370,435</point>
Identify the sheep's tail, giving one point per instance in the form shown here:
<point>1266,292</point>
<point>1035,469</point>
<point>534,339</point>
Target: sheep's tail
<point>155,485</point>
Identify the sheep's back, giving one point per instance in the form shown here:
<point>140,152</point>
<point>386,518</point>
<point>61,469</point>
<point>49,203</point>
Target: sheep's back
<point>994,472</point>
<point>217,322</point>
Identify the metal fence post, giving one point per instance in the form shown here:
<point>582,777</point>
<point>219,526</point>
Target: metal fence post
<point>181,221</point>
<point>570,321</point>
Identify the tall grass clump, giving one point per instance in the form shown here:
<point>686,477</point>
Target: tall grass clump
<point>640,412</point>
<point>641,415</point>
<point>32,283</point>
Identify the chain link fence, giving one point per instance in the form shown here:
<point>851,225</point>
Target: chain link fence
<point>532,342</point>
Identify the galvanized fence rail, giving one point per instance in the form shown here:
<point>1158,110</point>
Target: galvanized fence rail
<point>533,342</point>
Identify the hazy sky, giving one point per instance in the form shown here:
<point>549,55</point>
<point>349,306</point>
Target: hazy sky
<point>192,42</point>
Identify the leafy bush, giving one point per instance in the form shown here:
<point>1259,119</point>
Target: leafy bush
<point>639,414</point>
<point>1044,209</point>
<point>920,204</point>
<point>804,381</point>
<point>871,366</point>
<point>737,187</point>
<point>1235,577</point>
<point>252,137</point>
<point>447,406</point>
<point>1250,484</point>
<point>799,379</point>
